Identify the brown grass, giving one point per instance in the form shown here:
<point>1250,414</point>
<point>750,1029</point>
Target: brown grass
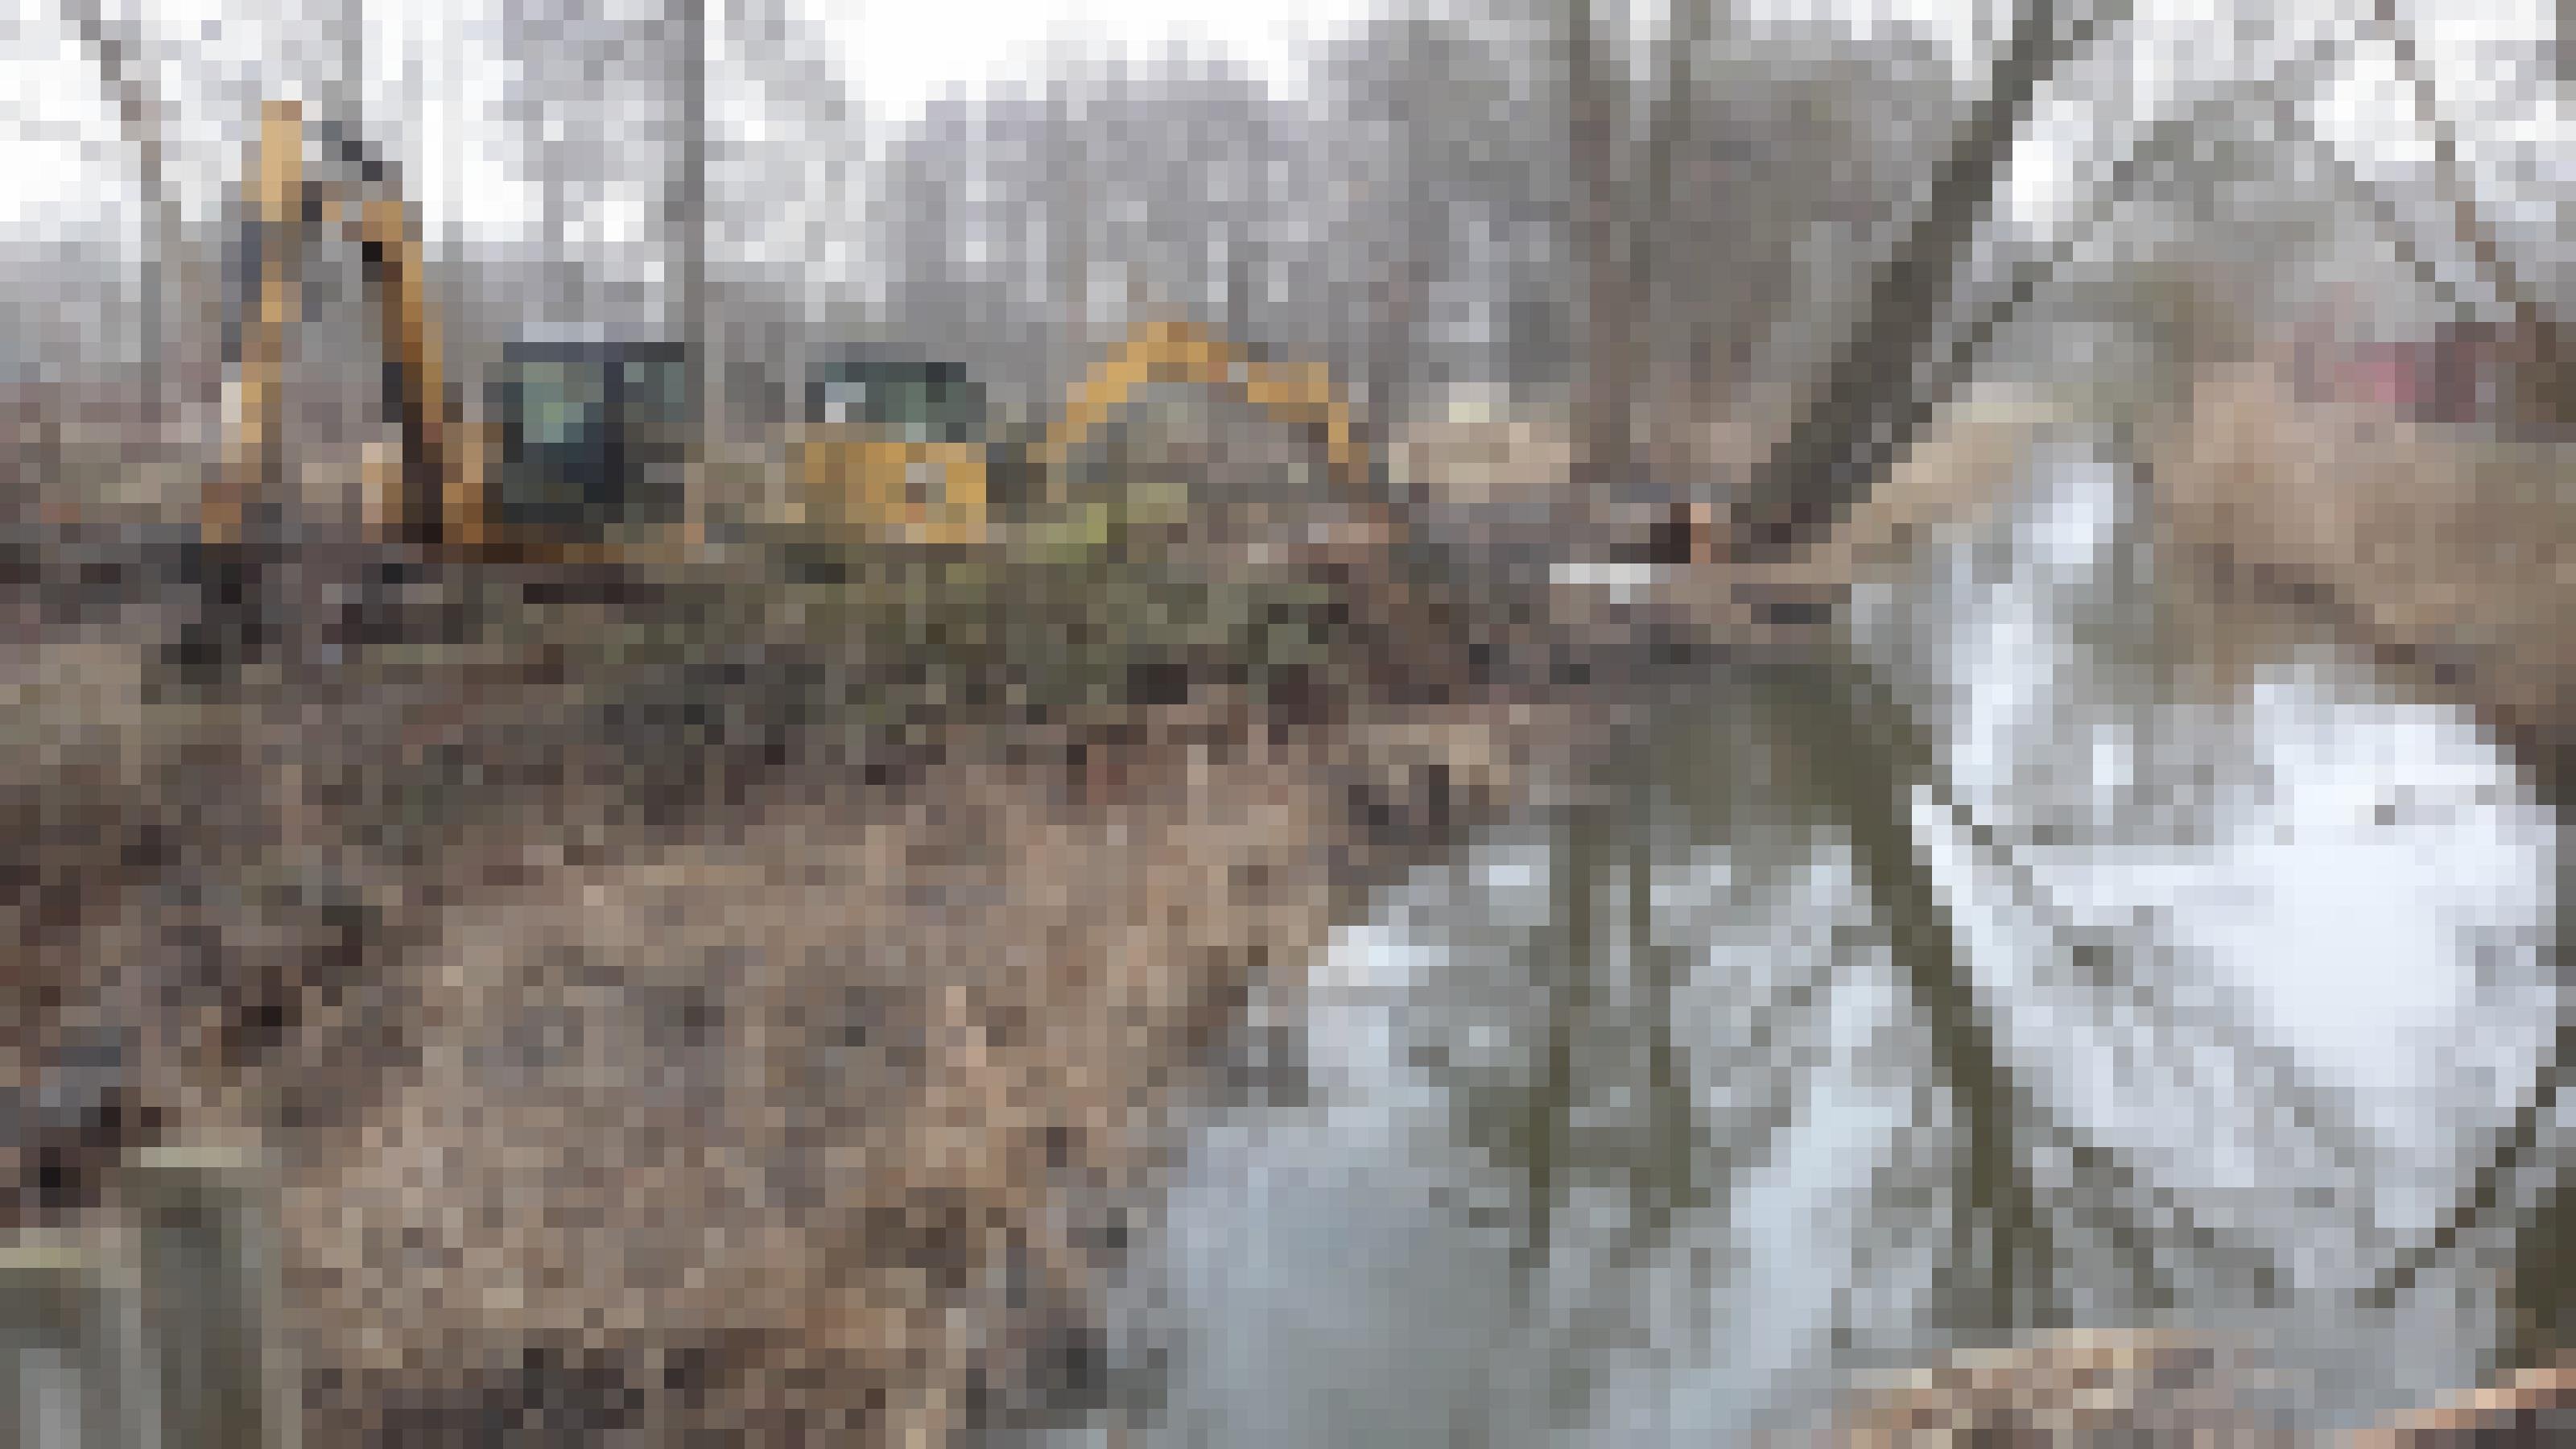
<point>2162,1388</point>
<point>607,1053</point>
<point>847,1092</point>
<point>2441,547</point>
<point>824,1084</point>
<point>2070,1390</point>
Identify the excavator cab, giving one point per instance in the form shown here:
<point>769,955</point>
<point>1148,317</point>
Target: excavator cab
<point>593,439</point>
<point>897,446</point>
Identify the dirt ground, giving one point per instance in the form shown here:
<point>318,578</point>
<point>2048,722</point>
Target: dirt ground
<point>640,1069</point>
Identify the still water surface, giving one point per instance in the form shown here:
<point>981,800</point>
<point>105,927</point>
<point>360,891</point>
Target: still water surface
<point>1640,1120</point>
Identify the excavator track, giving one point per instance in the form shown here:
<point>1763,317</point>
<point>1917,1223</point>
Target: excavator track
<point>287,601</point>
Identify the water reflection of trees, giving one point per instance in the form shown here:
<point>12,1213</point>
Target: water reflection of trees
<point>1621,1123</point>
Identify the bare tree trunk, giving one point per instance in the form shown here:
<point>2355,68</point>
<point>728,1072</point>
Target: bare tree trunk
<point>1072,226</point>
<point>794,54</point>
<point>1603,421</point>
<point>129,90</point>
<point>2288,86</point>
<point>1243,258</point>
<point>537,93</point>
<point>1395,324</point>
<point>2448,180</point>
<point>1238,283</point>
<point>1709,321</point>
<point>1654,242</point>
<point>555,215</point>
<point>687,219</point>
<point>352,77</point>
<point>1066,199</point>
<point>1867,406</point>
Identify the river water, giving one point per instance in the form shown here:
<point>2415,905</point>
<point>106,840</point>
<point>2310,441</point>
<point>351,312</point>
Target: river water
<point>1989,978</point>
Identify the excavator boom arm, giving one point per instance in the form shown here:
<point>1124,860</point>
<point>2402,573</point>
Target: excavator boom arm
<point>286,200</point>
<point>433,483</point>
<point>1169,351</point>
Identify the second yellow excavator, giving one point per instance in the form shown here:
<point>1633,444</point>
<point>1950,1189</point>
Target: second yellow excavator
<point>901,446</point>
<point>583,450</point>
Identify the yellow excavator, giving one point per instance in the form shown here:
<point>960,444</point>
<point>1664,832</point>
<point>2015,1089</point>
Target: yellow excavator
<point>558,469</point>
<point>901,446</point>
<point>583,448</point>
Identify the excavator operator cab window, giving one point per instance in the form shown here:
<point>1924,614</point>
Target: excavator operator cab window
<point>563,405</point>
<point>900,399</point>
<point>592,437</point>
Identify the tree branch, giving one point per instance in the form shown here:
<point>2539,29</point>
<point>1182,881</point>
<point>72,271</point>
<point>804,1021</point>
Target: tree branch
<point>1866,408</point>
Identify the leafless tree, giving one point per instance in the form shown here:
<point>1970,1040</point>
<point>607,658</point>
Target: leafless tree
<point>1604,417</point>
<point>1866,405</point>
<point>130,91</point>
<point>686,217</point>
<point>558,60</point>
<point>1410,94</point>
<point>795,73</point>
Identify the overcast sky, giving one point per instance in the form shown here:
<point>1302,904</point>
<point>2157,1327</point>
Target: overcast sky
<point>435,62</point>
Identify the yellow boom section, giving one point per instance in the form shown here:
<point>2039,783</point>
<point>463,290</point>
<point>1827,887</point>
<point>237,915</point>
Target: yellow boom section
<point>437,499</point>
<point>253,406</point>
<point>436,490</point>
<point>1169,351</point>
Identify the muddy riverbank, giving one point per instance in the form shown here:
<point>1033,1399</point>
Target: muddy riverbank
<point>732,1031</point>
<point>644,1052</point>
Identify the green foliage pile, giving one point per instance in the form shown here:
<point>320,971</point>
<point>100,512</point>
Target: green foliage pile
<point>1039,629</point>
<point>690,686</point>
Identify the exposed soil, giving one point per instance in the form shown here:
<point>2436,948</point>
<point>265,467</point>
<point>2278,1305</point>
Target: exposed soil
<point>649,1058</point>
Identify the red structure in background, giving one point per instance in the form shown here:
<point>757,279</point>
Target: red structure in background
<point>2464,373</point>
